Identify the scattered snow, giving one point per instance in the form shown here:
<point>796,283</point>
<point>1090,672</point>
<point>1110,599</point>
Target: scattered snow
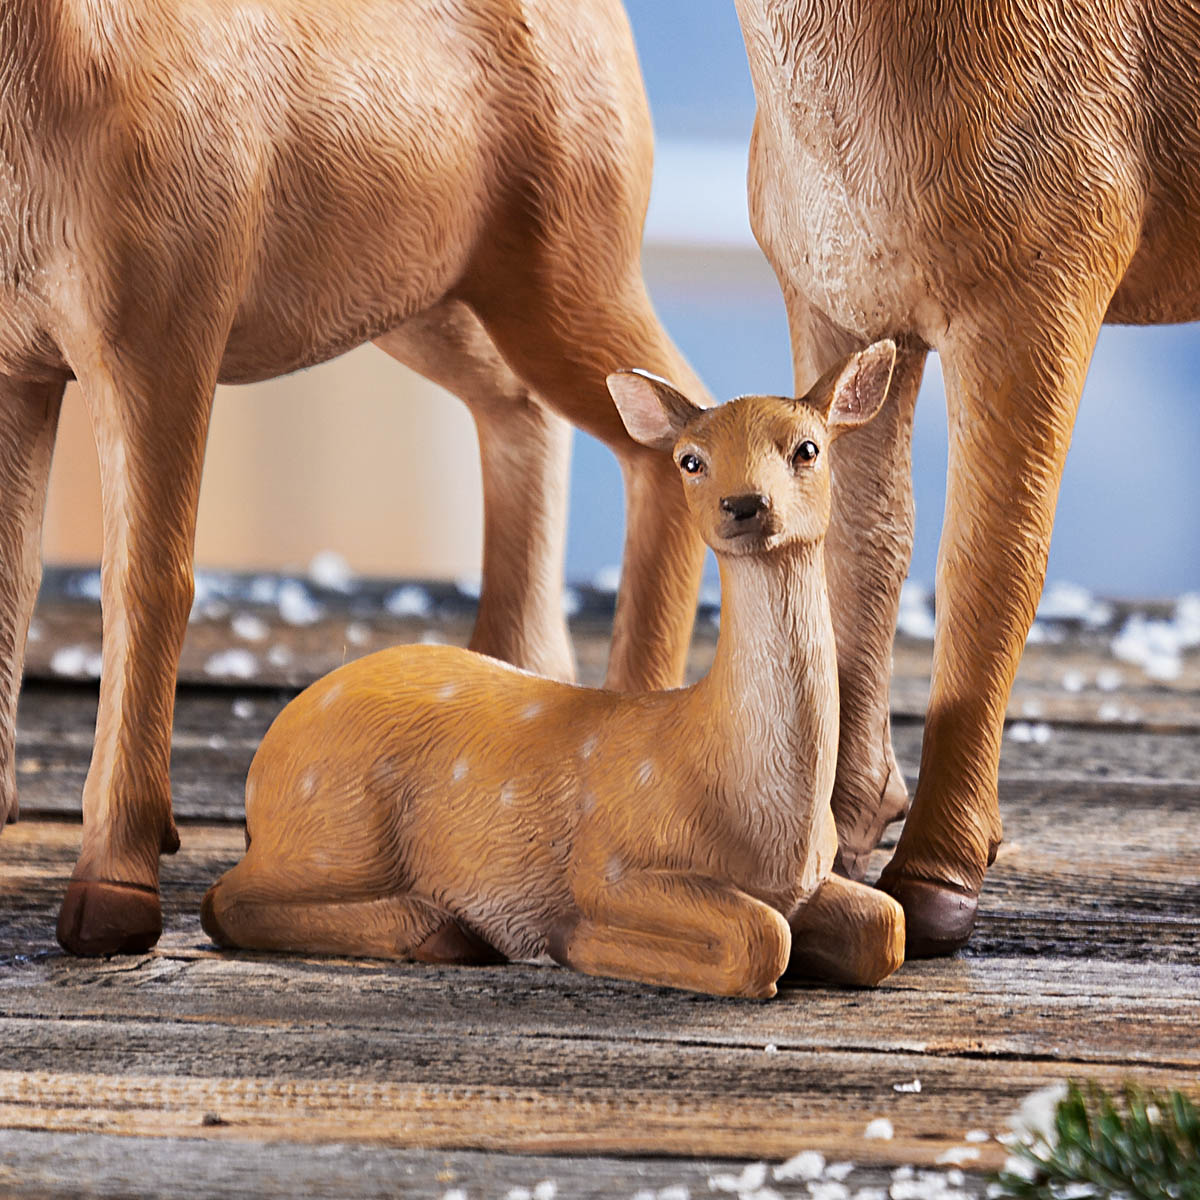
<point>771,1048</point>
<point>470,585</point>
<point>296,606</point>
<point>35,632</point>
<point>358,634</point>
<point>1108,679</point>
<point>977,1135</point>
<point>829,1189</point>
<point>881,1129</point>
<point>751,1179</point>
<point>838,1171</point>
<point>1070,602</point>
<point>249,627</point>
<point>1023,731</point>
<point>1074,681</point>
<point>76,660</point>
<point>915,1086</point>
<point>915,619</point>
<point>808,1164</point>
<point>243,709</point>
<point>546,1190</point>
<point>1154,646</point>
<point>218,742</point>
<point>280,656</point>
<point>958,1155</point>
<point>430,638</point>
<point>409,601</point>
<point>607,579</point>
<point>264,589</point>
<point>235,663</point>
<point>572,602</point>
<point>330,570</point>
<point>1033,1122</point>
<point>455,1194</point>
<point>86,585</point>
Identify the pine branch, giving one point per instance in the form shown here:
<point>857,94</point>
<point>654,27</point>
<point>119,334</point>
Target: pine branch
<point>1142,1146</point>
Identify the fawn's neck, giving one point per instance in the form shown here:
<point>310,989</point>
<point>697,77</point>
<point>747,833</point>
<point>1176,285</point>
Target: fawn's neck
<point>772,690</point>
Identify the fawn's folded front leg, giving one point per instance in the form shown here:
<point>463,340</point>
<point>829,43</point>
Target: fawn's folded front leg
<point>677,931</point>
<point>150,427</point>
<point>847,933</point>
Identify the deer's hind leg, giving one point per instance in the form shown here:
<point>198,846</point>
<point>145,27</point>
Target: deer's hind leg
<point>847,933</point>
<point>677,931</point>
<point>867,555</point>
<point>28,422</point>
<point>247,911</point>
<point>525,453</point>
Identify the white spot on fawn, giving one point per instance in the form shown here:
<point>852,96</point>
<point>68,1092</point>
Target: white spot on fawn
<point>460,771</point>
<point>589,747</point>
<point>447,690</point>
<point>308,783</point>
<point>615,868</point>
<point>532,711</point>
<point>645,772</point>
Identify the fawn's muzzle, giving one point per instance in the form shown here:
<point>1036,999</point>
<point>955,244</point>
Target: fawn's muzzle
<point>743,508</point>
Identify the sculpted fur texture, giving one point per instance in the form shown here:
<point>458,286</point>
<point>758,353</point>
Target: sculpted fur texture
<point>229,191</point>
<point>429,803</point>
<point>991,181</point>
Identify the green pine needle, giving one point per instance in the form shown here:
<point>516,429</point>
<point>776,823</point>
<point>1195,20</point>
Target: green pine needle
<point>1143,1146</point>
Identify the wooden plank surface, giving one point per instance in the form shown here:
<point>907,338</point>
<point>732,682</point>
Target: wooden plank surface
<point>190,1072</point>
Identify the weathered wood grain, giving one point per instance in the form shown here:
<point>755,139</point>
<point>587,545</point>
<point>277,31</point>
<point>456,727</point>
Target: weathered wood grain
<point>191,1072</point>
<point>36,1165</point>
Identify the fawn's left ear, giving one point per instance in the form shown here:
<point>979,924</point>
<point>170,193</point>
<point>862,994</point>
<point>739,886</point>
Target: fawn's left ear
<point>653,411</point>
<point>853,392</point>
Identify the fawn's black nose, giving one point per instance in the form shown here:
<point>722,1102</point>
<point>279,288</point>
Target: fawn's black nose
<point>742,508</point>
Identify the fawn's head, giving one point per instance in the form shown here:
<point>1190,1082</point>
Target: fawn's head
<point>756,470</point>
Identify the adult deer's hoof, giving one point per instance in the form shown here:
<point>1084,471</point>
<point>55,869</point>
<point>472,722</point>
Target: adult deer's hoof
<point>100,918</point>
<point>938,917</point>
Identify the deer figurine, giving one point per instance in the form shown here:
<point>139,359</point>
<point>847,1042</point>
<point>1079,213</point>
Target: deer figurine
<point>991,181</point>
<point>213,192</point>
<point>428,803</point>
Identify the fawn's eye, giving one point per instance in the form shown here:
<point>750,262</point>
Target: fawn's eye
<point>690,464</point>
<point>806,452</point>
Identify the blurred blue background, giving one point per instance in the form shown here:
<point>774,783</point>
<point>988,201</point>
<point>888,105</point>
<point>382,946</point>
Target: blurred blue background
<point>1127,518</point>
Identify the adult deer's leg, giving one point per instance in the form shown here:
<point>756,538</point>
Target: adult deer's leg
<point>525,452</point>
<point>564,341</point>
<point>151,421</point>
<point>28,422</point>
<point>1012,394</point>
<point>677,931</point>
<point>867,554</point>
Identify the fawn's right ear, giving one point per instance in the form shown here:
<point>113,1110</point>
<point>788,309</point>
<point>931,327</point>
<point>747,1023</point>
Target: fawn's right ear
<point>653,411</point>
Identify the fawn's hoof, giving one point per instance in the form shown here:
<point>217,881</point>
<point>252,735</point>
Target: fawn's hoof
<point>938,917</point>
<point>453,944</point>
<point>98,918</point>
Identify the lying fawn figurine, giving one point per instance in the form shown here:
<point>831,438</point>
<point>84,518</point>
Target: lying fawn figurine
<point>429,803</point>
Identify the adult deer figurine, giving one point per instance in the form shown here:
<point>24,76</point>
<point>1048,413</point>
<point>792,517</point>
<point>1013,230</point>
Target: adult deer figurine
<point>428,803</point>
<point>217,192</point>
<point>992,181</point>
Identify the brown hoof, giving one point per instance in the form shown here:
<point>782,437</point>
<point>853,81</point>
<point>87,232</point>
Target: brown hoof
<point>170,839</point>
<point>100,918</point>
<point>938,917</point>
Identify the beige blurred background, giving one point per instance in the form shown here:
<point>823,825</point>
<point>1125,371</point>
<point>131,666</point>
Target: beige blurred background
<point>337,457</point>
